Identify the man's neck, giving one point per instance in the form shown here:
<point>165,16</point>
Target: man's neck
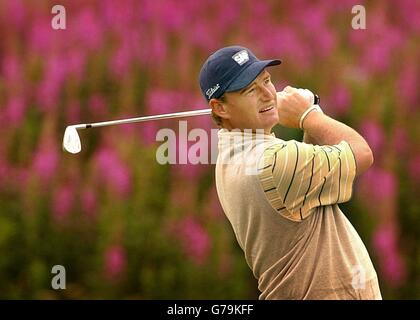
<point>254,131</point>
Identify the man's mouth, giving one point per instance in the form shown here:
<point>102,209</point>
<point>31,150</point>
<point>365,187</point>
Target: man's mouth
<point>266,109</point>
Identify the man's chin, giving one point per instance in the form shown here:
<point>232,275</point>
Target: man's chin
<point>270,123</point>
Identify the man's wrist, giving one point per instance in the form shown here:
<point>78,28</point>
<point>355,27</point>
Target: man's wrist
<point>310,116</point>
<point>310,110</point>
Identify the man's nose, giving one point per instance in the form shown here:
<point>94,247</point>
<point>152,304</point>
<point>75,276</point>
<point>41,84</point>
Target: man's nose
<point>266,94</point>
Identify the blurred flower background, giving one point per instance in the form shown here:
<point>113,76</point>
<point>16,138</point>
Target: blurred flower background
<point>126,227</point>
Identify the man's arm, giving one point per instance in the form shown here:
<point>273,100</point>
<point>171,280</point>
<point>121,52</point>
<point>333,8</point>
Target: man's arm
<point>321,129</point>
<point>307,138</point>
<point>324,130</point>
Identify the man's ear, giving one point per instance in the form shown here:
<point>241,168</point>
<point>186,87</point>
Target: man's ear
<point>219,108</point>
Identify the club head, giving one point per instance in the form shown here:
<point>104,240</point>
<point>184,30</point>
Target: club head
<point>71,140</point>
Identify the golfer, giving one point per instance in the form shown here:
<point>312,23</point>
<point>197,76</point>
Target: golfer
<point>285,215</point>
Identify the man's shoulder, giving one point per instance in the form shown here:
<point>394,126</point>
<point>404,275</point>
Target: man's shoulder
<point>273,147</point>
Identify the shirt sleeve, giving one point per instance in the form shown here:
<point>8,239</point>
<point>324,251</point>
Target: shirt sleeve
<point>299,177</point>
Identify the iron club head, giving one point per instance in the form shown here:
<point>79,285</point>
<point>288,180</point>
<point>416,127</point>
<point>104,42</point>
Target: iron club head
<point>71,140</point>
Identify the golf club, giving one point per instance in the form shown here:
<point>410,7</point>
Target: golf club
<point>71,140</point>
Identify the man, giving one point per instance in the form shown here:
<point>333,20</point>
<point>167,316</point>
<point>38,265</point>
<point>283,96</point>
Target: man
<point>285,215</point>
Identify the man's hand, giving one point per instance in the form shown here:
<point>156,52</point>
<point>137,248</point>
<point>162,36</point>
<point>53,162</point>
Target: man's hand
<point>291,105</point>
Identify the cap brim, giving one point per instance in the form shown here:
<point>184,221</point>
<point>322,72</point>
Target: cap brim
<point>249,74</point>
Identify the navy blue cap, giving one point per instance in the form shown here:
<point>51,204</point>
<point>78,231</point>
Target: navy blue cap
<point>230,69</point>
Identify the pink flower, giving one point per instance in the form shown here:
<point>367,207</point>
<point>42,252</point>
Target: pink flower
<point>284,41</point>
<point>15,111</point>
<point>407,87</point>
<point>410,10</point>
<point>339,101</point>
<point>16,14</point>
<point>48,94</point>
<point>89,30</point>
<point>379,184</point>
<point>158,47</point>
<point>89,202</point>
<point>312,18</point>
<point>119,14</point>
<point>229,15</point>
<point>374,135</point>
<point>12,69</point>
<point>45,162</point>
<point>63,202</point>
<point>148,132</point>
<point>414,168</point>
<point>357,38</point>
<point>400,140</point>
<point>386,185</point>
<point>188,170</point>
<point>195,239</point>
<point>392,265</point>
<point>52,82</point>
<point>113,171</point>
<point>320,35</point>
<point>97,106</point>
<point>174,15</point>
<point>261,9</point>
<point>76,61</point>
<point>115,262</point>
<point>192,172</point>
<point>324,42</point>
<point>376,57</point>
<point>382,43</point>
<point>338,6</point>
<point>203,35</point>
<point>121,61</point>
<point>73,111</point>
<point>161,101</point>
<point>41,36</point>
<point>133,38</point>
<point>129,130</point>
<point>214,209</point>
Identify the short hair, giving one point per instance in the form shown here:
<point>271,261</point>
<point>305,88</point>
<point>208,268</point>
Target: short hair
<point>217,119</point>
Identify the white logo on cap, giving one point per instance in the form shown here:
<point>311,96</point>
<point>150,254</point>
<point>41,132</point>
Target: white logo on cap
<point>212,90</point>
<point>241,57</point>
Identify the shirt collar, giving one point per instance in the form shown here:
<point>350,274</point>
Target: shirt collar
<point>227,137</point>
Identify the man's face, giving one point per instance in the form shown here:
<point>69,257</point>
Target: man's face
<point>254,107</point>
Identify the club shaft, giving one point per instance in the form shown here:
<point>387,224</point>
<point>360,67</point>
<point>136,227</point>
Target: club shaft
<point>145,118</point>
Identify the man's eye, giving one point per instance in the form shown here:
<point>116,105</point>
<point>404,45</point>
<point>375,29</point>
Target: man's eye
<point>267,81</point>
<point>251,90</point>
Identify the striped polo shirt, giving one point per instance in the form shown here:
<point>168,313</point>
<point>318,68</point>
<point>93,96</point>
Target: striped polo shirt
<point>296,187</point>
<point>286,218</point>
